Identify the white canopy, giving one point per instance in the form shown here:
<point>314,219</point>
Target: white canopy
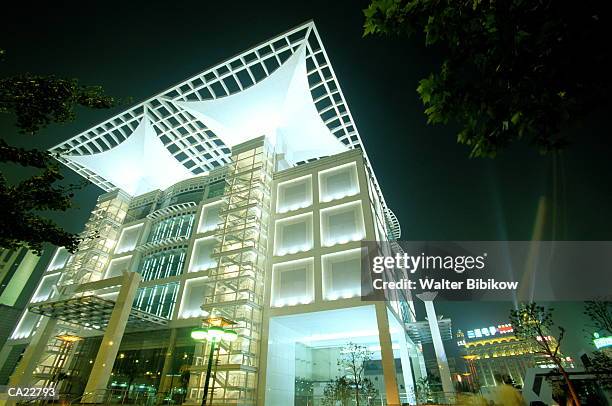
<point>280,107</point>
<point>138,165</point>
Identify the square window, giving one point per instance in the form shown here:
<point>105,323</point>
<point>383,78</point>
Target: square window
<point>45,288</point>
<point>341,224</point>
<point>294,194</point>
<point>341,274</point>
<point>128,239</point>
<point>60,259</point>
<point>193,298</point>
<point>201,256</point>
<point>293,235</point>
<point>293,283</point>
<point>117,266</point>
<point>338,182</point>
<point>210,217</point>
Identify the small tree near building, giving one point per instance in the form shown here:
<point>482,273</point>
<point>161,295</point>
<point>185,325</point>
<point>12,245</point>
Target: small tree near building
<point>534,323</point>
<point>352,361</point>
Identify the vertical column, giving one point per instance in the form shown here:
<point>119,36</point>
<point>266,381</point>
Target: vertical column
<point>445,377</point>
<point>386,350</point>
<point>25,369</point>
<point>407,367</point>
<point>168,361</point>
<point>103,365</point>
<point>316,234</point>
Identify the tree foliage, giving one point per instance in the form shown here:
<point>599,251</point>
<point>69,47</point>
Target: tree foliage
<point>352,360</point>
<point>601,366</point>
<point>534,324</point>
<point>36,101</point>
<point>600,313</point>
<point>339,390</point>
<point>513,69</point>
<point>352,383</point>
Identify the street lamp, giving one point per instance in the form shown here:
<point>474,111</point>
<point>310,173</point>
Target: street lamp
<point>216,331</point>
<point>67,341</point>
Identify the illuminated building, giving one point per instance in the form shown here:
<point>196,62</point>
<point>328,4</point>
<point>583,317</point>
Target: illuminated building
<point>243,192</point>
<point>18,279</point>
<point>494,353</point>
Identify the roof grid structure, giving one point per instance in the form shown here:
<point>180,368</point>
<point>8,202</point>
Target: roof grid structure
<point>188,139</point>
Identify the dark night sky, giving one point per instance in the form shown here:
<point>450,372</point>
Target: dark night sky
<point>137,49</point>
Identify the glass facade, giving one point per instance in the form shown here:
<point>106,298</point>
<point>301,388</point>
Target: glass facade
<point>162,264</point>
<point>178,226</point>
<point>158,300</point>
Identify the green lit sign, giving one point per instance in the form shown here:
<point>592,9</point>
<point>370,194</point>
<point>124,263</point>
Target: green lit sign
<point>603,342</point>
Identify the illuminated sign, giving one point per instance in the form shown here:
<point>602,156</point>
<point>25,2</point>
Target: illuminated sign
<point>603,342</point>
<point>489,331</point>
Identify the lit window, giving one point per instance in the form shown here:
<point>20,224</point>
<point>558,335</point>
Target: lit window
<point>341,224</point>
<point>294,194</point>
<point>201,257</point>
<point>293,283</point>
<point>193,298</point>
<point>128,239</point>
<point>158,300</point>
<point>26,326</point>
<point>59,259</point>
<point>210,218</point>
<point>338,182</point>
<point>342,274</point>
<point>172,227</point>
<point>117,267</point>
<point>45,288</point>
<point>293,235</point>
<point>162,264</point>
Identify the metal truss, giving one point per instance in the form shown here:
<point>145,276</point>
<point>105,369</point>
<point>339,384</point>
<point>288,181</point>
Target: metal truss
<point>188,139</point>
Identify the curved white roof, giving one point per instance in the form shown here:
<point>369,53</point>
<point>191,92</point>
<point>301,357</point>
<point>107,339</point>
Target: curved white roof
<point>285,88</point>
<point>280,107</point>
<point>138,165</point>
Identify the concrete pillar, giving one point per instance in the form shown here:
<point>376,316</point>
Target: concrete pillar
<point>407,368</point>
<point>103,365</point>
<point>386,350</point>
<point>432,318</point>
<point>164,382</point>
<point>23,375</point>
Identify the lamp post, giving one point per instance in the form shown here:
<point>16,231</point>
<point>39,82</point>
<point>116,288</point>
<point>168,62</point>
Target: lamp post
<point>67,341</point>
<point>215,332</point>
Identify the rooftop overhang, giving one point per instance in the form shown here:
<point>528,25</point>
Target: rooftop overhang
<point>93,312</point>
<point>284,88</point>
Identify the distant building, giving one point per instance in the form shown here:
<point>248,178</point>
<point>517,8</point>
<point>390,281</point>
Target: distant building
<point>496,356</point>
<point>17,281</point>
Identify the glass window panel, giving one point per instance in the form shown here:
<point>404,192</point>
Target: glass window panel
<point>293,283</point>
<point>294,194</point>
<point>26,326</point>
<point>342,274</point>
<point>341,224</point>
<point>210,218</point>
<point>117,266</point>
<point>128,239</point>
<point>158,300</point>
<point>162,264</point>
<point>338,182</point>
<point>193,298</point>
<point>59,259</point>
<point>293,235</point>
<point>45,288</point>
<point>202,255</point>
